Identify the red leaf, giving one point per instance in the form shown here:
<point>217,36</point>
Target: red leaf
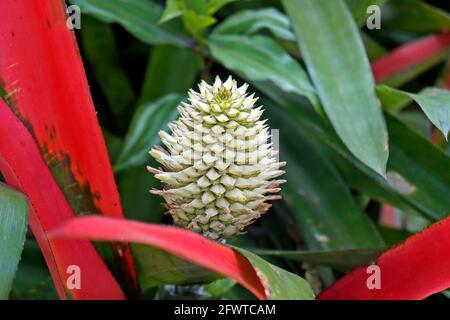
<point>22,166</point>
<point>409,55</point>
<point>413,270</point>
<point>42,73</point>
<point>179,242</point>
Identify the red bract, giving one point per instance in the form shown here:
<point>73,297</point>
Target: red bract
<point>179,242</point>
<point>22,166</point>
<point>415,269</point>
<point>409,55</point>
<point>42,73</point>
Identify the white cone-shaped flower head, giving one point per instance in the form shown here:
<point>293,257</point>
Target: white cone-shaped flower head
<point>218,166</point>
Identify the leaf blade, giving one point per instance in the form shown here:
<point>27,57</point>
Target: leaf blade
<point>414,16</point>
<point>182,243</point>
<point>24,169</point>
<point>434,102</point>
<point>259,58</point>
<point>165,64</point>
<point>339,259</point>
<point>328,216</point>
<point>279,284</point>
<point>140,18</point>
<point>142,135</point>
<point>251,21</point>
<point>54,102</point>
<point>13,228</point>
<point>340,71</point>
<point>100,47</point>
<point>412,270</point>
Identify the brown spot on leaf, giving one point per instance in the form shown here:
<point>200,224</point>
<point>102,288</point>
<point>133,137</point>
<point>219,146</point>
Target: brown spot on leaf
<point>264,282</point>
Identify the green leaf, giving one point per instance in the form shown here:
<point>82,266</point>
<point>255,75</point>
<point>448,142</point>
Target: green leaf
<point>196,23</point>
<point>374,49</point>
<point>101,50</point>
<point>337,63</point>
<point>392,236</point>
<point>434,102</point>
<point>279,284</point>
<point>13,228</point>
<point>216,5</point>
<point>114,145</point>
<point>173,9</point>
<point>199,6</point>
<point>217,289</point>
<point>342,260</point>
<point>413,16</point>
<point>259,58</point>
<point>417,175</point>
<point>138,17</point>
<point>392,99</point>
<point>421,168</point>
<point>33,280</point>
<point>446,293</point>
<point>157,267</point>
<point>328,216</point>
<point>167,63</point>
<point>418,161</point>
<point>252,21</point>
<point>142,135</point>
<point>418,121</point>
<point>194,13</point>
<point>137,202</point>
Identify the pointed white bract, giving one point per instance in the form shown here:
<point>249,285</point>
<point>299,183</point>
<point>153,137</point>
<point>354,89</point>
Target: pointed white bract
<point>218,166</point>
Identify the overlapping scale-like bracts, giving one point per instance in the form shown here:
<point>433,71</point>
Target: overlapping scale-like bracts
<point>218,164</point>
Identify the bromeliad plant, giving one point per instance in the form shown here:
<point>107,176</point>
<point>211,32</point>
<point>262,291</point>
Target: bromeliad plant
<point>362,132</point>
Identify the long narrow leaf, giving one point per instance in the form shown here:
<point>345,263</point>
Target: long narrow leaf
<point>434,102</point>
<point>328,216</point>
<point>101,50</point>
<point>13,227</point>
<point>142,135</point>
<point>415,269</point>
<point>279,284</point>
<point>43,77</point>
<point>413,16</point>
<point>338,259</point>
<point>24,169</point>
<point>335,58</point>
<point>251,21</point>
<point>419,175</point>
<point>259,58</point>
<point>138,17</point>
<point>179,242</point>
<point>167,63</point>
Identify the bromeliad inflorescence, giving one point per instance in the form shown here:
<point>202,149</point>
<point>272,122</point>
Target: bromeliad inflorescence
<point>219,165</point>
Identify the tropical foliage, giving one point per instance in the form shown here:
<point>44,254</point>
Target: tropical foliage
<point>363,117</point>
